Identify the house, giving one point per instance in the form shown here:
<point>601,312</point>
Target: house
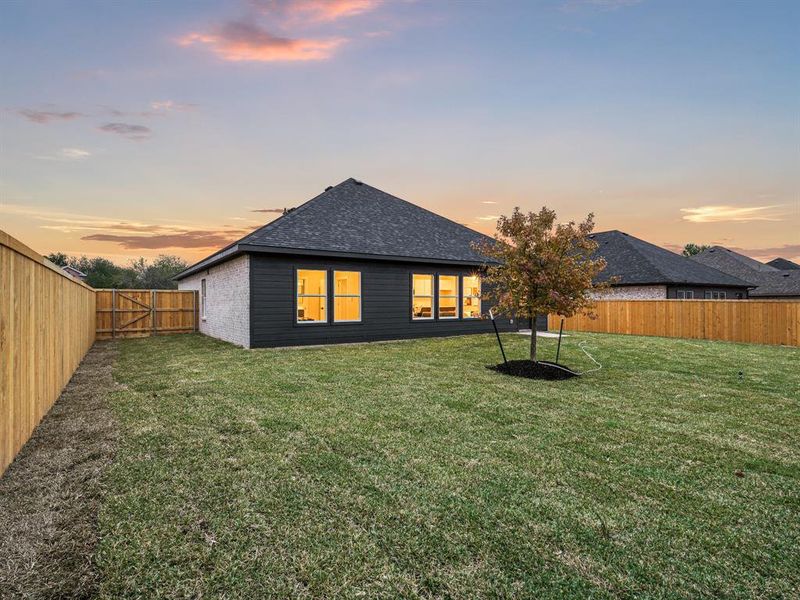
<point>74,273</point>
<point>783,264</point>
<point>640,270</point>
<point>767,281</point>
<point>353,264</point>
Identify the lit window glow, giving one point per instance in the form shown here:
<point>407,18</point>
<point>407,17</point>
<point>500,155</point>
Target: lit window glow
<point>471,286</point>
<point>448,297</point>
<point>346,296</point>
<point>422,297</point>
<point>312,296</point>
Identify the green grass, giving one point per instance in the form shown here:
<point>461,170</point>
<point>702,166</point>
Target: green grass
<point>409,470</point>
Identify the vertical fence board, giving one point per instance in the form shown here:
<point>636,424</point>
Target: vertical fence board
<point>47,325</point>
<point>774,322</point>
<point>139,313</point>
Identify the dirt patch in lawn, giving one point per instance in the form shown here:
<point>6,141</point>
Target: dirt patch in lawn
<point>534,370</point>
<point>50,494</point>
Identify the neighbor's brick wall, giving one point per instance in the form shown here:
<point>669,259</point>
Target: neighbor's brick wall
<point>227,300</point>
<point>633,292</point>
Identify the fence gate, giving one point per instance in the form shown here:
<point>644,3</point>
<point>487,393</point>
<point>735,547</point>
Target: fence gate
<point>138,313</point>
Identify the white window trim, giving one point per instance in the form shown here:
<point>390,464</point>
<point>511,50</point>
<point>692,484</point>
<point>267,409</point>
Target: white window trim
<point>298,295</point>
<point>335,296</point>
<point>203,298</point>
<point>432,297</point>
<point>465,296</point>
<point>439,297</point>
<point>687,295</point>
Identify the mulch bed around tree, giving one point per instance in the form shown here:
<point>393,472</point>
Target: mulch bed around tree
<point>534,370</point>
<point>50,494</point>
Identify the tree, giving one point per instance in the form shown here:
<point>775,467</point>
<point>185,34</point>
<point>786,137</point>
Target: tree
<point>159,273</point>
<point>58,258</point>
<point>691,249</point>
<point>542,267</point>
<point>100,272</point>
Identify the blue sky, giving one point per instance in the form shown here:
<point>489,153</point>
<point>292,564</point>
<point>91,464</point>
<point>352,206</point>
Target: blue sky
<point>134,128</point>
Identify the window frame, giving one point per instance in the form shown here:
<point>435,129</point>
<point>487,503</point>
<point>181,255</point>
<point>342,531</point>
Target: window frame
<point>296,273</point>
<point>687,294</point>
<point>203,298</point>
<point>457,296</point>
<point>464,297</point>
<point>412,296</point>
<point>360,319</point>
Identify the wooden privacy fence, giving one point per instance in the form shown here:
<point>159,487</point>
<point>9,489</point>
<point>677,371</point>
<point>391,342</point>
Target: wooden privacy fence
<point>754,321</point>
<point>46,328</point>
<point>137,313</point>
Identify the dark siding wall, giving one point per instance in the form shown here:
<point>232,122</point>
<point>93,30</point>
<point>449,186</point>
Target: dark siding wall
<point>385,304</point>
<point>700,291</point>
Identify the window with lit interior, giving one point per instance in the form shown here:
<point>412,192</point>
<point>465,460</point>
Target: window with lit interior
<point>448,297</point>
<point>346,296</point>
<point>312,296</point>
<point>471,286</point>
<point>422,297</point>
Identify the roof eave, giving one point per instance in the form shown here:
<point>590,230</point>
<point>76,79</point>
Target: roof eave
<point>261,249</point>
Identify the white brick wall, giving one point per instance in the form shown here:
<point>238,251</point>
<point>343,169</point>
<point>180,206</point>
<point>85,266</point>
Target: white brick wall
<point>633,292</point>
<point>227,300</point>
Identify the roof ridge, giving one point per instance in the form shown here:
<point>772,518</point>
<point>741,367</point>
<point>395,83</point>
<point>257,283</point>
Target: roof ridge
<point>417,206</point>
<point>264,227</point>
<point>627,239</point>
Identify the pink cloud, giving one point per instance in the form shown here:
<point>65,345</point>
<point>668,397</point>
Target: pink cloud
<point>316,10</point>
<point>240,41</point>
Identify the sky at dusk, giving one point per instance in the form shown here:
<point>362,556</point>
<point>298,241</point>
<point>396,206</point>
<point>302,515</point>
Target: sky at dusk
<point>138,128</point>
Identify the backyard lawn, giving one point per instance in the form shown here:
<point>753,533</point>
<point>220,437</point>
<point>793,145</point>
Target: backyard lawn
<point>408,469</point>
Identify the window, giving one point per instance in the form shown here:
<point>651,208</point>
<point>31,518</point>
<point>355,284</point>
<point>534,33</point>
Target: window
<point>715,295</point>
<point>346,296</point>
<point>312,296</point>
<point>471,286</point>
<point>448,297</point>
<point>422,297</point>
<point>685,295</point>
<point>203,298</point>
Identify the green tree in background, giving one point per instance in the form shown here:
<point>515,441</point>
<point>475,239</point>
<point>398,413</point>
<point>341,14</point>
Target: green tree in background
<point>139,274</point>
<point>691,249</point>
<point>58,258</point>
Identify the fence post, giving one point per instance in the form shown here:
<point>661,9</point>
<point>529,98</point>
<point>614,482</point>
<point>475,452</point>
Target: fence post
<point>153,313</point>
<point>113,313</point>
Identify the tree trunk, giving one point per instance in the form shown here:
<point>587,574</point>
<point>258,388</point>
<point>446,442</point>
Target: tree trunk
<point>533,344</point>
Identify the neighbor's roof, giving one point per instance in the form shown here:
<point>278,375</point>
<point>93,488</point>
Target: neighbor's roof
<point>636,262</point>
<point>783,264</point>
<point>354,219</point>
<point>769,280</point>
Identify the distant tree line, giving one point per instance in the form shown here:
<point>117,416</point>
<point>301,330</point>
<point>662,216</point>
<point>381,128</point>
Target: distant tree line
<point>139,274</point>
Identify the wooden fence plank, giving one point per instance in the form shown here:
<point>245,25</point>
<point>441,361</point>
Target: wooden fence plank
<point>47,324</point>
<point>774,322</point>
<point>140,313</point>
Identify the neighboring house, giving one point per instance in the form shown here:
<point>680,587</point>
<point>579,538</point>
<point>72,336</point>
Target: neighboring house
<point>74,273</point>
<point>645,271</point>
<point>767,281</point>
<point>783,264</point>
<point>353,264</point>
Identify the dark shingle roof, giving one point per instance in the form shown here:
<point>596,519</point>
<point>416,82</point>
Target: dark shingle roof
<point>353,218</point>
<point>636,262</point>
<point>769,280</point>
<point>783,264</point>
